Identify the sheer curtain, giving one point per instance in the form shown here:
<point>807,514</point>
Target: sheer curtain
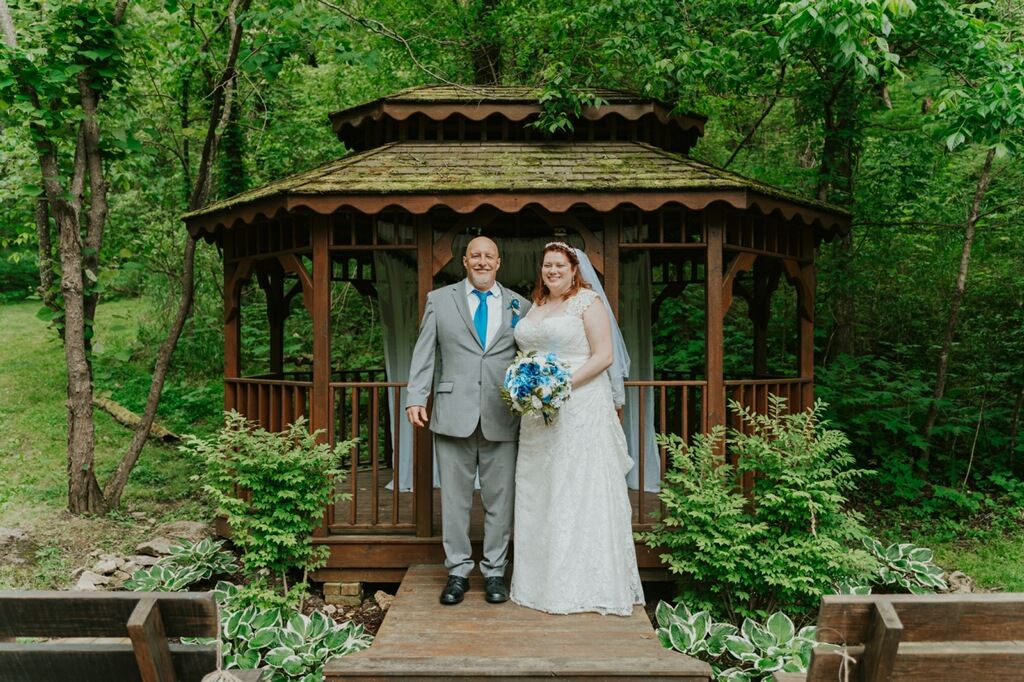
<point>520,262</point>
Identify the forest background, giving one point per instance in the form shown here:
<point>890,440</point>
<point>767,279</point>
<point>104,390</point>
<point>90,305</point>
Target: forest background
<point>910,116</point>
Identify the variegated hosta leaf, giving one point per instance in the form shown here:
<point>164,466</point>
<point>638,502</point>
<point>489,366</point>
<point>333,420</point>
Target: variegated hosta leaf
<point>781,627</point>
<point>662,614</point>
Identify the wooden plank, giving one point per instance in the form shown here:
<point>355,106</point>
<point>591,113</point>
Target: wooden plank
<point>86,662</point>
<point>146,630</point>
<point>993,661</point>
<point>926,618</point>
<point>880,652</point>
<point>423,450</point>
<point>714,396</point>
<point>82,614</point>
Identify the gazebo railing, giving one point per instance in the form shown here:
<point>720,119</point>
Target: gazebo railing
<point>271,403</point>
<point>677,407</point>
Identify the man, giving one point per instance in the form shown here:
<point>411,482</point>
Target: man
<point>467,328</point>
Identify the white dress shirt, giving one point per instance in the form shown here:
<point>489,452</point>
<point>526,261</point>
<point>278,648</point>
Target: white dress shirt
<point>494,310</point>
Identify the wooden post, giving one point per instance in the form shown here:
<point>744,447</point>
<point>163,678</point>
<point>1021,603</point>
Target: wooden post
<point>808,280</point>
<point>714,394</point>
<point>612,236</point>
<point>232,335</point>
<point>152,654</point>
<point>319,400</point>
<point>759,314</point>
<point>423,475</point>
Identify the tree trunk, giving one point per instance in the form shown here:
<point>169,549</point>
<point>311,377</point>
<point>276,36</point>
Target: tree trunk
<point>954,308</point>
<point>486,50</point>
<point>42,216</point>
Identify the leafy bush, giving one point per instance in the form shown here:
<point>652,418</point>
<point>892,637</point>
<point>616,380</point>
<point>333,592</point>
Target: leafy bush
<point>288,477</point>
<point>185,565</point>
<point>753,651</point>
<point>784,548</point>
<point>292,646</point>
<point>907,567</point>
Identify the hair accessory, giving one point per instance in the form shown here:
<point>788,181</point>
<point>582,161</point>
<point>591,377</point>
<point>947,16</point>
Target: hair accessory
<point>561,245</point>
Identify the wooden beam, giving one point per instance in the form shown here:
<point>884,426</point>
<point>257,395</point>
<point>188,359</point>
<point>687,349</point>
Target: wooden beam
<point>742,262</point>
<point>880,652</point>
<point>146,630</point>
<point>612,265</point>
<point>423,446</point>
<point>291,262</point>
<point>714,396</point>
<point>320,395</point>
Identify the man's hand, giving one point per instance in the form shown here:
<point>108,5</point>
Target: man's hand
<point>417,415</point>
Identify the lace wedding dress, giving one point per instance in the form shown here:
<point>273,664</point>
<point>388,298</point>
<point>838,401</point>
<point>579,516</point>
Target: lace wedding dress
<point>573,532</point>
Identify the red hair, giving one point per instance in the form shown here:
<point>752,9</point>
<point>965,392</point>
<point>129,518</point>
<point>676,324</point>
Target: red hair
<point>541,291</point>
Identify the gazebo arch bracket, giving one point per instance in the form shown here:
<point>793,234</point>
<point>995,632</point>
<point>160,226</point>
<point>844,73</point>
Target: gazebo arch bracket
<point>290,262</point>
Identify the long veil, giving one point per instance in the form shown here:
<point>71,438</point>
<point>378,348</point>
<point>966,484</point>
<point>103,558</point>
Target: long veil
<point>619,371</point>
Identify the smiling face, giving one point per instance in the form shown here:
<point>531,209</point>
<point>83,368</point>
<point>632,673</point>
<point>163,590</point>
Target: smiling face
<point>481,262</point>
<point>557,272</point>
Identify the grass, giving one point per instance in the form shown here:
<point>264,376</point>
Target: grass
<point>33,483</point>
<point>995,562</point>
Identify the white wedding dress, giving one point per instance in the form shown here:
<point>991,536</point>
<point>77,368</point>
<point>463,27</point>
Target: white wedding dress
<point>574,547</point>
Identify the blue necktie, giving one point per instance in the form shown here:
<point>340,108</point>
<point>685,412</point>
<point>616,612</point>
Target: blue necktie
<point>480,317</point>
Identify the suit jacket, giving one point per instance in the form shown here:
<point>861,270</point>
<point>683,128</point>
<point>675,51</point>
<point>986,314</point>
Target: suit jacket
<point>468,377</point>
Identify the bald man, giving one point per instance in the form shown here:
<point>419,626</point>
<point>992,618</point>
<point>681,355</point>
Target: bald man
<point>466,342</point>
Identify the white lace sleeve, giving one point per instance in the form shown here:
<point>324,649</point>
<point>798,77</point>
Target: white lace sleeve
<point>581,301</point>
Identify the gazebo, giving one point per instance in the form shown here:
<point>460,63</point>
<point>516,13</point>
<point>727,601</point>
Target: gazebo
<point>431,166</point>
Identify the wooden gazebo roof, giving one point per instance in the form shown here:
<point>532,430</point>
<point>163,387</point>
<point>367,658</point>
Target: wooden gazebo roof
<point>508,175</point>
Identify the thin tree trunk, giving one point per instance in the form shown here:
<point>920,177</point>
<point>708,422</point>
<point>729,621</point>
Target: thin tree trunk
<point>42,216</point>
<point>954,308</point>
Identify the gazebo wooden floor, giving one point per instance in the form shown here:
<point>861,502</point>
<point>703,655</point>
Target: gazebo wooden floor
<point>422,640</point>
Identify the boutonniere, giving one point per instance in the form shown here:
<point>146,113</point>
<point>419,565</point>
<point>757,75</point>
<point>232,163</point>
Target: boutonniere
<point>514,307</point>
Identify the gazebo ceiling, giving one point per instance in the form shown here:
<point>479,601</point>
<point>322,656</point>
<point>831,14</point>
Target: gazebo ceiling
<point>464,176</point>
<point>512,104</point>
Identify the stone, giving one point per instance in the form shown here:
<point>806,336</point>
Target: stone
<point>330,609</point>
<point>106,566</point>
<point>342,600</point>
<point>156,546</point>
<point>383,599</point>
<point>121,575</point>
<point>960,583</point>
<point>129,567</point>
<point>90,581</point>
<point>193,531</point>
<point>143,560</point>
<point>77,573</point>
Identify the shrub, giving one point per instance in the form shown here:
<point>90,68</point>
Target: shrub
<point>906,567</point>
<point>288,477</point>
<point>782,549</point>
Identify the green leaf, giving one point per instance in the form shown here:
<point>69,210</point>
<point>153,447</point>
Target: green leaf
<point>277,656</point>
<point>738,646</point>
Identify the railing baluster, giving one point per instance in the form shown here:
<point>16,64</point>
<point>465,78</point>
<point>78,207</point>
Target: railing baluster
<point>355,453</point>
<point>331,503</point>
<point>640,456</point>
<point>662,454</point>
<point>374,429</point>
<point>396,446</point>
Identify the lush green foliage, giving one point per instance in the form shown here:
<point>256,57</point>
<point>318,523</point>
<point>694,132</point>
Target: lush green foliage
<point>906,566</point>
<point>785,549</point>
<point>752,651</point>
<point>288,477</point>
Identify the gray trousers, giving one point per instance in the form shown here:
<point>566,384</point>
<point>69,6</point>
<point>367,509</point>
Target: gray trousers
<point>457,462</point>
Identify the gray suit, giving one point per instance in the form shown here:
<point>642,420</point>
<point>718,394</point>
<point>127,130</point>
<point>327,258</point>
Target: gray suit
<point>473,428</point>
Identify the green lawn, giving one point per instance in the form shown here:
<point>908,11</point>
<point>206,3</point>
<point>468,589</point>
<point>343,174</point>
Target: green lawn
<point>33,446</point>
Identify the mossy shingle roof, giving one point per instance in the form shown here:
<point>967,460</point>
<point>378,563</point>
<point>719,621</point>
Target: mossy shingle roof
<point>437,168</point>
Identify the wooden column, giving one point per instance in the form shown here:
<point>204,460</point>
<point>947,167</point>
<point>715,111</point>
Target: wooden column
<point>714,394</point>
<point>320,396</point>
<point>612,236</point>
<point>805,306</point>
<point>759,314</point>
<point>232,334</point>
<point>423,445</point>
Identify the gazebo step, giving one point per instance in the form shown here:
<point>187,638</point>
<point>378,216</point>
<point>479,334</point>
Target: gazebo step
<point>423,640</point>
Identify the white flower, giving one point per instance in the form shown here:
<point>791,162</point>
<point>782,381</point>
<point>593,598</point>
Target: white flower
<point>536,402</point>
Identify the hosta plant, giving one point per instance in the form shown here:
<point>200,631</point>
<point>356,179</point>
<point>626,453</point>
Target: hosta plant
<point>764,649</point>
<point>906,566</point>
<point>292,646</point>
<point>186,564</point>
<point>751,652</point>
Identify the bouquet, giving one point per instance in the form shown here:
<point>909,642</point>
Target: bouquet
<point>537,383</point>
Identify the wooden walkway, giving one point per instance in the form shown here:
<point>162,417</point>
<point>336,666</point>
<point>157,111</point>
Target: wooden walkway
<point>422,640</point>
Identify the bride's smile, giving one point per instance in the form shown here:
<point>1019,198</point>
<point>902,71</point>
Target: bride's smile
<point>557,273</point>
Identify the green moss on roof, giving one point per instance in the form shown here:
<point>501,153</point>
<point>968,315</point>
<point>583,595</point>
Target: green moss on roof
<point>509,167</point>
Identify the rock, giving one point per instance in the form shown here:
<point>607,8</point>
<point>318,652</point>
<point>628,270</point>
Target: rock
<point>95,553</point>
<point>383,599</point>
<point>11,535</point>
<point>193,531</point>
<point>143,560</point>
<point>129,567</point>
<point>960,583</point>
<point>121,575</point>
<point>90,581</point>
<point>106,566</point>
<point>330,609</point>
<point>77,573</point>
<point>157,546</point>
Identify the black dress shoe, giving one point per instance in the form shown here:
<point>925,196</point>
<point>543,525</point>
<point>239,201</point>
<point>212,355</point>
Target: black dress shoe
<point>497,591</point>
<point>454,590</point>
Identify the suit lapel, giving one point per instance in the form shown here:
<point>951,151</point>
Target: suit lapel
<point>462,305</point>
<point>506,316</point>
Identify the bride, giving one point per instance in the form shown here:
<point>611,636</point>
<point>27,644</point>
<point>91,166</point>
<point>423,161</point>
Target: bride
<point>573,533</point>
